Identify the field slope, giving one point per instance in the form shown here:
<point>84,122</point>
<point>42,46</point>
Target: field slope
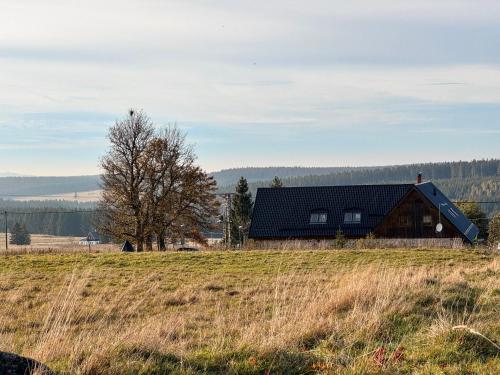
<point>254,312</point>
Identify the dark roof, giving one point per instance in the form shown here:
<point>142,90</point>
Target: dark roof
<point>92,236</point>
<point>448,210</point>
<point>127,246</point>
<point>285,212</point>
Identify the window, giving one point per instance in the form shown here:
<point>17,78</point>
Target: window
<point>318,218</point>
<point>427,220</point>
<point>404,221</point>
<point>352,217</point>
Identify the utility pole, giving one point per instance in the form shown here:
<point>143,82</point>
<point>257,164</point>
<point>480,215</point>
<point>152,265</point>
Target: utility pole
<point>228,219</point>
<point>6,235</point>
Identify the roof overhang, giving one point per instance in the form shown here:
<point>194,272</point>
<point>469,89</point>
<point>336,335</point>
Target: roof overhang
<point>451,212</point>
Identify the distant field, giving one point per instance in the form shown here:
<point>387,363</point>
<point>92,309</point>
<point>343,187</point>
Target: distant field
<point>47,242</point>
<point>254,312</point>
<point>85,196</point>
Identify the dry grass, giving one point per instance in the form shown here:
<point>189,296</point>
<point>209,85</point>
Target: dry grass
<point>252,312</point>
<point>83,196</point>
<point>44,243</point>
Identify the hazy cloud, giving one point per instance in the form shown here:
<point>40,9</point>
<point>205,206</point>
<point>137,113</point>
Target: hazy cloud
<point>284,70</point>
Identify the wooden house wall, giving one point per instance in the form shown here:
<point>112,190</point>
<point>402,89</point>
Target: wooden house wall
<point>407,220</point>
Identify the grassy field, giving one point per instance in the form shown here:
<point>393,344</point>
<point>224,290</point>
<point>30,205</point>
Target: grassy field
<point>41,243</point>
<point>254,312</point>
<point>83,196</point>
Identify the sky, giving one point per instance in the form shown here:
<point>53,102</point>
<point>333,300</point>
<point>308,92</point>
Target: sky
<point>252,83</point>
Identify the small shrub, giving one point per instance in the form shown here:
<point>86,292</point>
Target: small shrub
<point>340,241</point>
<point>369,242</point>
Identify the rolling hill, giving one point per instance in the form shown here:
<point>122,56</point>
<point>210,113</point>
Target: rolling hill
<point>474,180</point>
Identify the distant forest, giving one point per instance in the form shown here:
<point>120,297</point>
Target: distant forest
<point>231,176</point>
<point>56,218</point>
<point>28,186</point>
<point>388,174</point>
<point>292,176</point>
<point>478,180</point>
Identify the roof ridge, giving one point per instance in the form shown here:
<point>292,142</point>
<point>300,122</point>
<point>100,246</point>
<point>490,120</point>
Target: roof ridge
<point>330,186</point>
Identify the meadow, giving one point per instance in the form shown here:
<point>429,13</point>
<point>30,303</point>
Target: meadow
<point>44,243</point>
<point>83,196</point>
<point>426,311</point>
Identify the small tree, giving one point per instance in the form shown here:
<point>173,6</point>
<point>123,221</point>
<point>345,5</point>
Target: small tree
<point>340,241</point>
<point>19,235</point>
<point>241,212</point>
<point>477,216</point>
<point>494,230</point>
<point>276,182</point>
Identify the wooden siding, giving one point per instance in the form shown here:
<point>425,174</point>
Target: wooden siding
<point>407,220</point>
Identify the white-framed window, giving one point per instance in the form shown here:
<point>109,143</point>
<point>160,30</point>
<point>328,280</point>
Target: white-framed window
<point>318,218</point>
<point>352,217</point>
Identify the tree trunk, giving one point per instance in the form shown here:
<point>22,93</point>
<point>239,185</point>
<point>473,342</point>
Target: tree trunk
<point>161,241</point>
<point>149,243</point>
<point>139,236</point>
<point>140,245</point>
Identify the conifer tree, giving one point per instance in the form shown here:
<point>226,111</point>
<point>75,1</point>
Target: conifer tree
<point>494,230</point>
<point>241,212</point>
<point>276,182</point>
<point>19,235</point>
<point>477,216</point>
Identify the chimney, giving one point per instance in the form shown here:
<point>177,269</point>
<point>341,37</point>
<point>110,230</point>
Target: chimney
<point>419,178</point>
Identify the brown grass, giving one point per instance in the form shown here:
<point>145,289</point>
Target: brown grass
<point>354,319</point>
<point>46,244</point>
<point>83,196</point>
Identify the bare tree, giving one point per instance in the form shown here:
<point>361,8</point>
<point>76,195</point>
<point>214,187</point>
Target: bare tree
<point>124,213</point>
<point>152,187</point>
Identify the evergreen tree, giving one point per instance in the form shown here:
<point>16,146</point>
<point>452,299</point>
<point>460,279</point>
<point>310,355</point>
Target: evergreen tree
<point>241,212</point>
<point>19,235</point>
<point>26,236</point>
<point>494,230</point>
<point>477,216</point>
<point>276,182</point>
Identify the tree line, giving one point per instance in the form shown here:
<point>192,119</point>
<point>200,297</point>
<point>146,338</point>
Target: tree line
<point>63,222</point>
<point>389,174</point>
<point>47,185</point>
<point>227,177</point>
<point>56,217</point>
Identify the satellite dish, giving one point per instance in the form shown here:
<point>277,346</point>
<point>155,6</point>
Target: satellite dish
<point>439,227</point>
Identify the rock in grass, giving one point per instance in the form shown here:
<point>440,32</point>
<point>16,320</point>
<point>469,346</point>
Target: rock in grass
<point>13,364</point>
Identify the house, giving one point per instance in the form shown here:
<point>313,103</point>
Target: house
<point>417,210</point>
<point>127,247</point>
<point>91,239</point>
